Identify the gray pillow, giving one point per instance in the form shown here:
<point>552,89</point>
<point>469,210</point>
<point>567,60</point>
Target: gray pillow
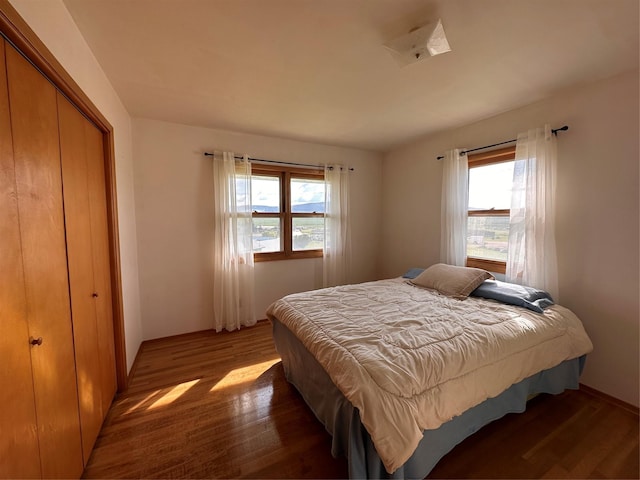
<point>413,272</point>
<point>512,294</point>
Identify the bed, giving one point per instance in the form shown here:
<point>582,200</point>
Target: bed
<point>399,371</point>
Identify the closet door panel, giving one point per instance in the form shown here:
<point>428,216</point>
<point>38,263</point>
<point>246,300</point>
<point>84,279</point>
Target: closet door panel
<point>101,263</point>
<point>39,194</point>
<point>73,153</point>
<point>19,441</point>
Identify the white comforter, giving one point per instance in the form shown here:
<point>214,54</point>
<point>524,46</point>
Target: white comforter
<point>410,359</point>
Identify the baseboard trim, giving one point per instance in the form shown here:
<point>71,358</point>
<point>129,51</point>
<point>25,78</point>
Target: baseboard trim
<point>198,333</point>
<point>134,366</point>
<point>608,398</point>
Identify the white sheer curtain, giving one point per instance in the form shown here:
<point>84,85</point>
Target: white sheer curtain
<point>455,205</point>
<point>532,248</point>
<point>337,231</point>
<point>233,276</point>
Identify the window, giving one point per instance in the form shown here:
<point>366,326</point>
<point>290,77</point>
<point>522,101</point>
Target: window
<point>288,212</point>
<point>490,180</point>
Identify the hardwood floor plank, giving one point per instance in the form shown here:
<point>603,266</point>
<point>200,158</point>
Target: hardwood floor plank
<point>621,460</point>
<point>207,405</point>
<point>596,444</point>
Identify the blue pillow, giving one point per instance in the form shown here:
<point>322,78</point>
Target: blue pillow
<point>413,272</point>
<point>512,294</point>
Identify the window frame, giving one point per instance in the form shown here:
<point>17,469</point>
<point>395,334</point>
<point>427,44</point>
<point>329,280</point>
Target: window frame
<point>285,174</point>
<point>507,154</point>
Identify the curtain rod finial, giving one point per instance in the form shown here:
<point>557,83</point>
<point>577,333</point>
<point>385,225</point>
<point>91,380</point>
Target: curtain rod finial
<point>561,129</point>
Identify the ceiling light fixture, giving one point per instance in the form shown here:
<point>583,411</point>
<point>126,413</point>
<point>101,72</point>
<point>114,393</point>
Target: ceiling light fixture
<point>419,43</point>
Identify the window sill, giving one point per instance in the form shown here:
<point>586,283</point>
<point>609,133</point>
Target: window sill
<point>274,256</point>
<point>489,265</point>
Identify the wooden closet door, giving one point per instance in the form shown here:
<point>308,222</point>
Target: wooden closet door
<point>77,215</point>
<point>19,455</point>
<point>34,124</point>
<point>83,180</point>
<point>101,261</point>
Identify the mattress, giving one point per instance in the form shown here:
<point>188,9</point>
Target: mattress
<point>349,438</point>
<point>410,360</point>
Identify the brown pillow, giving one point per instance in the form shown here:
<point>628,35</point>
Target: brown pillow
<point>452,281</point>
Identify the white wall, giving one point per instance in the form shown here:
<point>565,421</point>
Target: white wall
<point>174,211</point>
<point>597,213</point>
<point>52,23</point>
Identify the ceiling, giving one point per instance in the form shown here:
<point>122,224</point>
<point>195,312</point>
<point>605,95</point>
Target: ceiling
<point>316,70</point>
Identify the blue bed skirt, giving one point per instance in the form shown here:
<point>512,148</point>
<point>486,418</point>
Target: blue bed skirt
<point>351,439</point>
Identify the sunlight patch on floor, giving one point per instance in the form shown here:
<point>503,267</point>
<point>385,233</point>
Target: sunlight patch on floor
<point>173,394</point>
<point>162,397</point>
<point>141,403</point>
<point>244,374</point>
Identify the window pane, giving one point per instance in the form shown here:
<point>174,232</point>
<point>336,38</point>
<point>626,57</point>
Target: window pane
<point>308,233</point>
<point>267,235</point>
<point>307,196</point>
<point>265,194</point>
<point>490,186</point>
<point>242,194</point>
<point>488,237</point>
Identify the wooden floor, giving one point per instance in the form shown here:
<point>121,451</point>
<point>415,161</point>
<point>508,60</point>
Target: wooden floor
<point>212,405</point>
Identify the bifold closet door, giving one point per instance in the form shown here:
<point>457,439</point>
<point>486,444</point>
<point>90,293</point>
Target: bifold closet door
<point>82,155</point>
<point>19,455</point>
<point>36,149</point>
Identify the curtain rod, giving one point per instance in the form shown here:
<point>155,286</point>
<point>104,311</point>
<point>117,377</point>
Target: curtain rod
<point>464,152</point>
<point>262,160</point>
